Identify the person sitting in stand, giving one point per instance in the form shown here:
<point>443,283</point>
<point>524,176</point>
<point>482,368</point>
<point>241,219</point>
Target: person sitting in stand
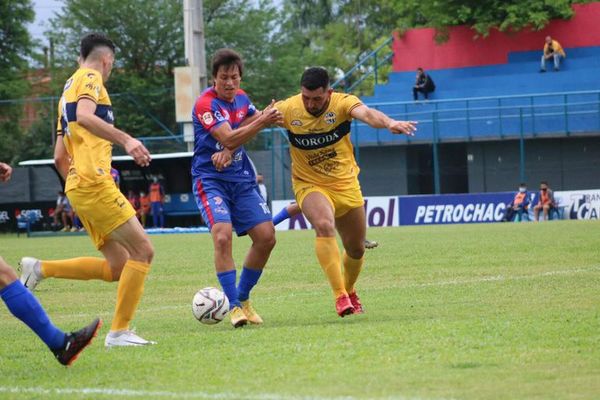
<point>423,84</point>
<point>544,201</point>
<point>519,205</point>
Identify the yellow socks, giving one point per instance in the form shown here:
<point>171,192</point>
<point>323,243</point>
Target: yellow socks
<point>129,293</point>
<point>352,268</point>
<point>82,268</point>
<point>328,255</point>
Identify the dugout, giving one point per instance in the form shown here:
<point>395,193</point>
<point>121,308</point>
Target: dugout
<point>172,170</point>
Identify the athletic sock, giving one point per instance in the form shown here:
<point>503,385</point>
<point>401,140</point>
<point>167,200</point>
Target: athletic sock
<point>82,268</point>
<point>248,279</point>
<point>23,305</point>
<point>352,268</point>
<point>129,293</point>
<point>328,254</point>
<point>227,281</point>
<point>281,216</point>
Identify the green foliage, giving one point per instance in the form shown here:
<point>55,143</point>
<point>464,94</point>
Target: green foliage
<point>15,47</point>
<point>452,312</point>
<point>149,41</point>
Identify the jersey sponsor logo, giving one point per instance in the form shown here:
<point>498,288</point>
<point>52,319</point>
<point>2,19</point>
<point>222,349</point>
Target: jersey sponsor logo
<point>296,122</point>
<point>241,115</point>
<point>330,117</point>
<point>221,116</point>
<point>318,158</point>
<point>207,118</point>
<point>319,140</point>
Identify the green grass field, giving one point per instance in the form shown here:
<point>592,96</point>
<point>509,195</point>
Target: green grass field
<point>498,311</point>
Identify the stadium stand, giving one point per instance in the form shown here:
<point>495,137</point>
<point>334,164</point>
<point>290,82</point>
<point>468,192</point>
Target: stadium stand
<point>491,88</point>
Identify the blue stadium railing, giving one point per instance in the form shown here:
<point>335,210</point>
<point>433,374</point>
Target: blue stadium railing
<point>477,118</point>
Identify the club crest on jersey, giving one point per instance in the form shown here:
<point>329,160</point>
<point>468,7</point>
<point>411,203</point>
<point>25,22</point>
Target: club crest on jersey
<point>207,118</point>
<point>330,117</point>
<point>240,115</point>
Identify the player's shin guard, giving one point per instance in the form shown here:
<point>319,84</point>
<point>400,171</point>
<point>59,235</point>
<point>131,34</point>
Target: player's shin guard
<point>23,305</point>
<point>352,268</point>
<point>328,254</point>
<point>248,279</point>
<point>81,268</point>
<point>129,293</point>
<point>227,281</point>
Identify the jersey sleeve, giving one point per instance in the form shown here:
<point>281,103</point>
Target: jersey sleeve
<point>209,114</point>
<point>89,86</point>
<point>348,103</point>
<point>282,106</point>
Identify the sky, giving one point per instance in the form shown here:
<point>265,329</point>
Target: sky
<point>44,10</point>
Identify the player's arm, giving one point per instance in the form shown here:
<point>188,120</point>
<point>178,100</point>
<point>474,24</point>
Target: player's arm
<point>87,118</point>
<point>5,172</point>
<point>61,157</point>
<point>377,119</point>
<point>233,138</point>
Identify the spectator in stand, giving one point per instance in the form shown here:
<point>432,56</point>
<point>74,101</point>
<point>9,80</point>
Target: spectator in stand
<point>144,207</point>
<point>423,84</point>
<point>262,188</point>
<point>157,195</point>
<point>116,176</point>
<point>63,211</point>
<point>543,201</point>
<point>519,205</point>
<point>552,49</point>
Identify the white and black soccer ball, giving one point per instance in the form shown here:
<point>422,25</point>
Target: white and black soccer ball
<point>210,305</point>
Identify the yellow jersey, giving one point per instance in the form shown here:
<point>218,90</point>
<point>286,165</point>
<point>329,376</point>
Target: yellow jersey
<point>320,146</point>
<point>90,155</point>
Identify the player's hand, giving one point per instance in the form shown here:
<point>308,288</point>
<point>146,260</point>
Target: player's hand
<point>221,159</point>
<point>138,151</point>
<point>272,116</point>
<point>403,127</point>
<point>5,172</point>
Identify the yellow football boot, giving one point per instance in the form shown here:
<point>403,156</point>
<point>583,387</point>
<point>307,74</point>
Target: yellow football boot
<point>251,313</point>
<point>237,317</point>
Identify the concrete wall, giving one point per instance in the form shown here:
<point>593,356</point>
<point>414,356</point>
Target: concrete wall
<point>566,163</point>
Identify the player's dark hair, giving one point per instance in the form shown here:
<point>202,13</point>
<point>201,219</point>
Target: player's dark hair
<point>314,78</point>
<point>523,184</point>
<point>420,69</point>
<point>226,58</point>
<point>544,183</point>
<point>93,40</point>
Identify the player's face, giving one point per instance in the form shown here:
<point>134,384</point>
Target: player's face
<point>227,82</point>
<point>316,101</point>
<point>107,65</point>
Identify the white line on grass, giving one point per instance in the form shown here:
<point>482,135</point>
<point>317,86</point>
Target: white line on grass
<point>111,392</point>
<point>453,282</point>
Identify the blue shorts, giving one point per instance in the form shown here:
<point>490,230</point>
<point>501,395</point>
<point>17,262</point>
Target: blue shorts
<point>237,203</point>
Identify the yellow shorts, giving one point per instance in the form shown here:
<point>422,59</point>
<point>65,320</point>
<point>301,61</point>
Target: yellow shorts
<point>342,201</point>
<point>102,208</point>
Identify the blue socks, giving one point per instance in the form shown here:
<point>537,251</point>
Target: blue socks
<point>227,281</point>
<point>281,216</point>
<point>23,305</point>
<point>248,279</point>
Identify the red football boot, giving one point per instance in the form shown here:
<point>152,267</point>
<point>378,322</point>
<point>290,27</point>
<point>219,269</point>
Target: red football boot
<point>358,308</point>
<point>343,305</point>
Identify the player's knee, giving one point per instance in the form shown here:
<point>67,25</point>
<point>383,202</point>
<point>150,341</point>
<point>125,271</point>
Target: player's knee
<point>267,242</point>
<point>222,241</point>
<point>324,227</point>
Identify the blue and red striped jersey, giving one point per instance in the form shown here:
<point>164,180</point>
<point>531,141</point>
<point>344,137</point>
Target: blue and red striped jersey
<point>209,112</point>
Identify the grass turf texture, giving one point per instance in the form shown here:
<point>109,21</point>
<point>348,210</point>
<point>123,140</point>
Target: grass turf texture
<point>484,311</point>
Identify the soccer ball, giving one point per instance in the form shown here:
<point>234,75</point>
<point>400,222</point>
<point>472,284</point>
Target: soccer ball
<point>210,305</point>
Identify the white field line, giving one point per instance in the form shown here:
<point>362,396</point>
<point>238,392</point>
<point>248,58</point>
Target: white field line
<point>112,392</point>
<point>453,282</point>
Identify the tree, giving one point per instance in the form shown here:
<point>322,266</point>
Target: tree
<point>15,47</point>
<point>149,41</point>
